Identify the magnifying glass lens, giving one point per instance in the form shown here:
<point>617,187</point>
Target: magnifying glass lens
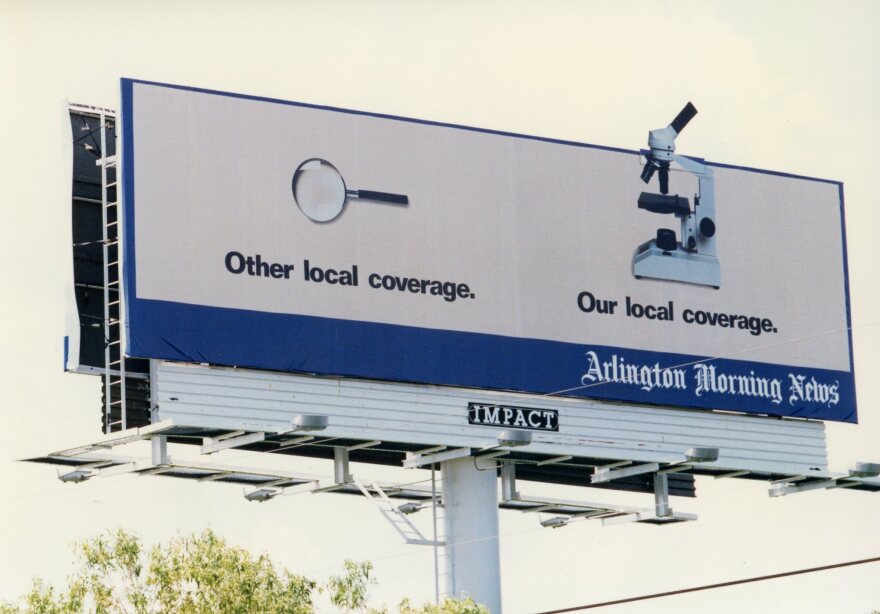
<point>319,190</point>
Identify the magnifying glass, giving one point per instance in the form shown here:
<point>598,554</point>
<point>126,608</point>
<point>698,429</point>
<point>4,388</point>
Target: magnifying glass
<point>320,192</point>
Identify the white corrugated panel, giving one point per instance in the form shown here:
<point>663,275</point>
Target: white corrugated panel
<point>239,399</point>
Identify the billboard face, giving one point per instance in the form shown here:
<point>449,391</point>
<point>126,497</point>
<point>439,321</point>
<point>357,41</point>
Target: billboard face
<point>290,237</point>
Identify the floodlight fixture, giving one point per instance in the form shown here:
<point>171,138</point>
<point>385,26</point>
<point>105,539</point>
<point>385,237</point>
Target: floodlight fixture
<point>701,455</point>
<point>409,508</point>
<point>555,522</point>
<point>263,494</point>
<point>511,438</point>
<point>309,422</point>
<point>865,470</point>
<point>76,476</point>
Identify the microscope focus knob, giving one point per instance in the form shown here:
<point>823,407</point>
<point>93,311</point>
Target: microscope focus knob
<point>707,227</point>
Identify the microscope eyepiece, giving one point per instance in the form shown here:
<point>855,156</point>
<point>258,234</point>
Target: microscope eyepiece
<point>684,116</point>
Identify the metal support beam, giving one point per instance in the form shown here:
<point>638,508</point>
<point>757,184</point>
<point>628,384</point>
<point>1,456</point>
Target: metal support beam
<point>661,495</point>
<point>732,474</point>
<point>430,450</point>
<point>605,474</point>
<point>310,487</point>
<point>225,442</point>
<point>508,482</point>
<point>293,443</point>
<point>121,469</point>
<point>340,465</point>
<point>366,444</point>
<point>554,460</point>
<point>118,438</point>
<point>157,470</point>
<point>480,459</point>
<point>414,461</point>
<point>215,476</point>
<point>160,450</point>
<point>782,489</point>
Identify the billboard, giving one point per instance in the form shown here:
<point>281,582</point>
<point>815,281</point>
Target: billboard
<point>291,237</point>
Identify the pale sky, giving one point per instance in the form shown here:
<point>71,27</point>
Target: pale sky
<point>788,86</point>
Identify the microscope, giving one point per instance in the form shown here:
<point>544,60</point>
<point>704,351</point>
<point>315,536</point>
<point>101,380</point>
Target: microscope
<point>693,259</point>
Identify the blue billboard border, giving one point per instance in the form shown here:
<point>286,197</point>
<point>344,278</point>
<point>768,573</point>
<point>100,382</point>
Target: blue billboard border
<point>133,305</point>
<point>370,350</point>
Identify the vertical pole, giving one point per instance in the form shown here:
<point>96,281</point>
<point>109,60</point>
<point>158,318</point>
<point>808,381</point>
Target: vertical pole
<point>159,446</point>
<point>508,481</point>
<point>341,474</point>
<point>434,518</point>
<point>661,495</point>
<point>470,500</point>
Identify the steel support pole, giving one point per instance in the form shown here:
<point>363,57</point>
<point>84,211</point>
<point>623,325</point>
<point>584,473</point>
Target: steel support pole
<point>472,560</point>
<point>159,448</point>
<point>661,495</point>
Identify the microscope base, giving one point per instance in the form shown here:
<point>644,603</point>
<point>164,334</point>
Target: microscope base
<point>678,265</point>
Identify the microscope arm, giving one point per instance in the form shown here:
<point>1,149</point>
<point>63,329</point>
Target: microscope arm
<point>692,166</point>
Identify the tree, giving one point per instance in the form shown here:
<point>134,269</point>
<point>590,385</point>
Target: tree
<point>199,574</point>
<point>449,606</point>
<point>349,591</point>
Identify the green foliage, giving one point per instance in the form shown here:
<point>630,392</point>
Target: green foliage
<point>349,591</point>
<point>200,574</point>
<point>448,606</point>
<point>203,575</point>
<point>42,600</point>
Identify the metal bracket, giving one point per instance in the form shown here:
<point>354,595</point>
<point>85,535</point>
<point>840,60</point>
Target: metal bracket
<point>732,474</point>
<point>692,456</point>
<point>554,460</point>
<point>415,460</point>
<point>508,482</point>
<point>293,443</point>
<point>224,442</point>
<point>782,488</point>
<point>489,456</point>
<point>119,438</point>
<point>366,444</point>
<point>608,473</point>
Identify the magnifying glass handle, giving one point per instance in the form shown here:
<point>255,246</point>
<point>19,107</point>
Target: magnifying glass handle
<point>385,197</point>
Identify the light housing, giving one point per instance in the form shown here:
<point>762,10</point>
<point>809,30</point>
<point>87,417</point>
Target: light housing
<point>263,494</point>
<point>409,508</point>
<point>865,470</point>
<point>511,438</point>
<point>309,422</point>
<point>701,455</point>
<point>76,476</point>
<point>555,522</point>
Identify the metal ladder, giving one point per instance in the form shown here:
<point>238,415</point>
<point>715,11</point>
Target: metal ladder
<point>407,530</point>
<point>114,356</point>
